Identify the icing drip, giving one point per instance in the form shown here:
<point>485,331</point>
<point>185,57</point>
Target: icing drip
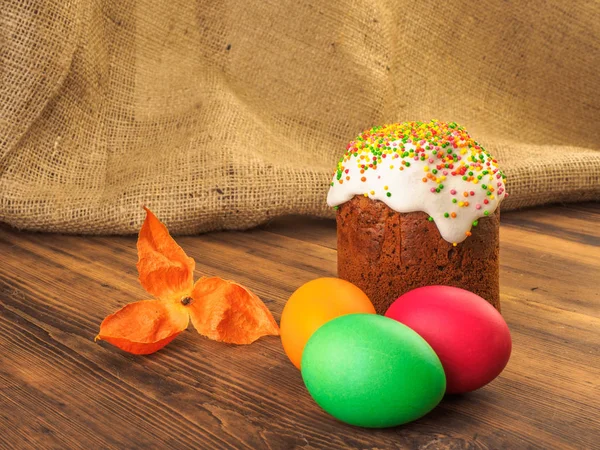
<point>433,167</point>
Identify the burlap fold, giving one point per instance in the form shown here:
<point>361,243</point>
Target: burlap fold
<point>221,115</point>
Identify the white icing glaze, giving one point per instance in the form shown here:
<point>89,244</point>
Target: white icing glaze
<point>409,193</point>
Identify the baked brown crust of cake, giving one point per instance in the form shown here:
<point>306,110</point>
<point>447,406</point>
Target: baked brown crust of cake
<point>387,253</point>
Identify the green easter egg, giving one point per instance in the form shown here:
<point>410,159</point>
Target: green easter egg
<point>372,371</point>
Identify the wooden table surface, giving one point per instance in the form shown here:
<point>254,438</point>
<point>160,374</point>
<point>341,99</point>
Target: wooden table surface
<point>59,389</point>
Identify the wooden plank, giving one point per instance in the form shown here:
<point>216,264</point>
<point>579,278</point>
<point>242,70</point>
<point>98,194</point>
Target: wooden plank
<point>59,389</point>
<point>317,231</point>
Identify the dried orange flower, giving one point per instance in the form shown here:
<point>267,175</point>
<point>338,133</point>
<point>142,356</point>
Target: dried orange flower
<point>220,310</point>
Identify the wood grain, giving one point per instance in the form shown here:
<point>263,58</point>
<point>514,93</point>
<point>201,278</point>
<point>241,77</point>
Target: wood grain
<point>59,389</point>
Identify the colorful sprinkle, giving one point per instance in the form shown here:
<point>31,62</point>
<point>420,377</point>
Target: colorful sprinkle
<point>445,152</point>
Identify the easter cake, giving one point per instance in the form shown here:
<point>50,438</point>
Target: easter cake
<point>417,205</point>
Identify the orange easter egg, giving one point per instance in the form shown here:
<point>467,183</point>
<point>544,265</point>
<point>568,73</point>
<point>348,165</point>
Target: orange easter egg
<point>312,305</point>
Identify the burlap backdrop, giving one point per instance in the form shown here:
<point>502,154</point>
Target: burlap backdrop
<point>224,114</point>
